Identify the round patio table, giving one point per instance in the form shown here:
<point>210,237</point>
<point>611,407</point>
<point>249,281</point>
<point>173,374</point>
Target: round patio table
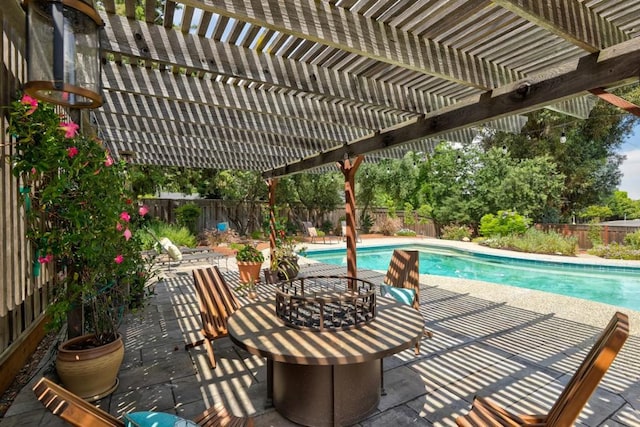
<point>325,378</point>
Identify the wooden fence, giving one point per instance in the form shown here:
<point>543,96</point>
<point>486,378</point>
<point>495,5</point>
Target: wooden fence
<point>23,297</point>
<point>215,211</point>
<point>608,233</point>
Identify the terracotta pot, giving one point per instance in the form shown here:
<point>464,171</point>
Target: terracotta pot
<point>90,373</point>
<point>249,271</point>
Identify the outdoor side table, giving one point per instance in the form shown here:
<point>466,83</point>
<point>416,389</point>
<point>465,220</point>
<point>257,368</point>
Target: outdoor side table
<point>327,378</point>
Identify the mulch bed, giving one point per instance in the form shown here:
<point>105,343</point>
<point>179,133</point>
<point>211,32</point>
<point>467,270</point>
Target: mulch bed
<point>28,371</point>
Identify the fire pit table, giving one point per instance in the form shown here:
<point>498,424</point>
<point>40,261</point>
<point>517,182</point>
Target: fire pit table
<point>324,345</point>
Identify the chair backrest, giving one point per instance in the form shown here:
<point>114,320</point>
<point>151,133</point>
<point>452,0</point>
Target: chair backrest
<point>217,301</point>
<point>312,232</point>
<point>587,377</point>
<point>306,225</point>
<point>71,408</point>
<point>403,272</point>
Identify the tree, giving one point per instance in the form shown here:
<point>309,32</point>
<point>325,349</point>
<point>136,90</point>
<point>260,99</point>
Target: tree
<point>588,159</point>
<point>465,184</point>
<point>596,213</point>
<point>319,193</point>
<point>244,189</point>
<point>622,207</point>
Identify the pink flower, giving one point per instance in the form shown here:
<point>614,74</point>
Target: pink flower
<point>34,171</point>
<point>72,152</point>
<point>125,216</point>
<point>127,234</point>
<point>119,227</point>
<point>143,210</point>
<point>70,129</point>
<point>118,259</point>
<point>109,161</point>
<point>27,100</point>
<point>45,259</point>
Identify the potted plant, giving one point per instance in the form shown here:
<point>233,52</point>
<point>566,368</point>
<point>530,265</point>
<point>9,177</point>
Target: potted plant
<point>81,223</point>
<point>250,261</point>
<point>284,260</point>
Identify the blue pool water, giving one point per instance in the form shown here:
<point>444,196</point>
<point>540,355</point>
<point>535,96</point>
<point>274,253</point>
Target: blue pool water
<point>611,285</point>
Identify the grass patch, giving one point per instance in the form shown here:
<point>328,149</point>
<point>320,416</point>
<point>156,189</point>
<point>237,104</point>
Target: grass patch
<point>535,241</point>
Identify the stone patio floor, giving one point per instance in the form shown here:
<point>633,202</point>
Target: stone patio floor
<point>518,346</point>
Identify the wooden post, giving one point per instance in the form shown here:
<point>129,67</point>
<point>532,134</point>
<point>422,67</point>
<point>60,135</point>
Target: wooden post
<point>271,184</point>
<point>349,170</point>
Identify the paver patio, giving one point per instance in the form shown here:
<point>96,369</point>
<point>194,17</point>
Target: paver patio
<point>485,342</point>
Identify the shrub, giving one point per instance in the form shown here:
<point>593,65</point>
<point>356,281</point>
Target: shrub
<point>536,241</point>
<point>456,232</point>
<point>187,216</point>
<point>633,240</point>
<point>388,225</point>
<point>406,233</point>
<point>593,234</point>
<point>326,227</point>
<point>503,224</point>
<point>179,236</point>
<point>366,223</point>
<point>616,251</point>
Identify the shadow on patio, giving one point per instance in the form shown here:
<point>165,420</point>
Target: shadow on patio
<point>519,357</point>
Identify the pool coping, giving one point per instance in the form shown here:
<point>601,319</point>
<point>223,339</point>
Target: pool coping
<point>566,307</point>
<point>583,259</point>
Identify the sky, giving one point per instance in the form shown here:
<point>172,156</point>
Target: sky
<point>631,167</point>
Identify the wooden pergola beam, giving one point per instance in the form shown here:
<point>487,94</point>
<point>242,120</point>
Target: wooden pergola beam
<point>608,67</point>
<point>349,169</point>
<point>573,21</point>
<point>616,100</point>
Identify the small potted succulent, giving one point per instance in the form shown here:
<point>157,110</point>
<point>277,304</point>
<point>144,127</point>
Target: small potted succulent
<point>250,261</point>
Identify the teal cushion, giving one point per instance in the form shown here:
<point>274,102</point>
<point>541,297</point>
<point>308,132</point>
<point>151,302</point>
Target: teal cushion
<point>402,295</point>
<point>155,419</point>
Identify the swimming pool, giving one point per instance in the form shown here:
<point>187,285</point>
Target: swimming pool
<point>618,286</point>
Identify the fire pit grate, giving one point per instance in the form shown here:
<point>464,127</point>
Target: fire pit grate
<point>326,303</point>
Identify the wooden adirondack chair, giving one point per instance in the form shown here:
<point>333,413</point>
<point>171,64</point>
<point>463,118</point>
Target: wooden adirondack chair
<point>403,272</point>
<point>217,302</point>
<point>78,412</point>
<point>566,409</point>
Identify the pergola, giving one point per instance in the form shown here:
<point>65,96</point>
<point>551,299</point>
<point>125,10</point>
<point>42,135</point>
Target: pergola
<point>280,87</point>
<point>286,86</point>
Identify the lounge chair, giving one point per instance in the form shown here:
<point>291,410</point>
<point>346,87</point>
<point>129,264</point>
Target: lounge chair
<point>568,406</point>
<point>78,412</point>
<point>344,232</point>
<point>314,235</point>
<point>217,302</point>
<point>404,273</point>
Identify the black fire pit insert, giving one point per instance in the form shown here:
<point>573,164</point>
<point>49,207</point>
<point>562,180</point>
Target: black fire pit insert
<point>326,303</point>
